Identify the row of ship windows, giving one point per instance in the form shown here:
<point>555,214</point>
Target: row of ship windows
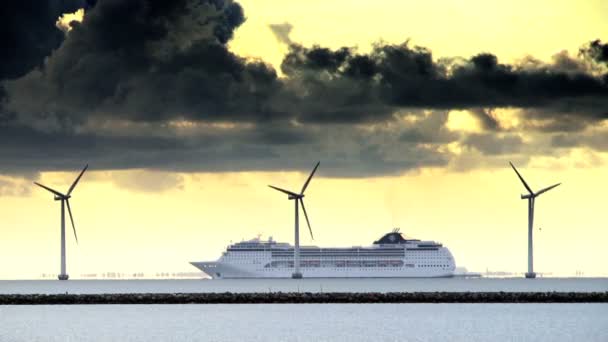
<point>353,268</point>
<point>338,261</point>
<point>290,255</point>
<point>364,260</point>
<point>347,264</point>
<point>391,263</point>
<point>337,256</point>
<point>346,253</point>
<point>355,263</point>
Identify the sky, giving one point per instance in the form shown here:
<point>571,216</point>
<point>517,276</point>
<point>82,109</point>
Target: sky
<point>186,110</point>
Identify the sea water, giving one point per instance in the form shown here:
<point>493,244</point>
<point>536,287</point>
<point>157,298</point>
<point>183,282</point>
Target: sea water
<point>306,322</point>
<point>305,285</point>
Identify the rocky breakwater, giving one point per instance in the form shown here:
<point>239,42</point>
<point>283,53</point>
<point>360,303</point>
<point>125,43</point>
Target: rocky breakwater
<point>305,297</point>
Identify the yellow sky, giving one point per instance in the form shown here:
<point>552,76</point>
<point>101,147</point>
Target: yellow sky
<point>477,214</point>
<point>450,28</point>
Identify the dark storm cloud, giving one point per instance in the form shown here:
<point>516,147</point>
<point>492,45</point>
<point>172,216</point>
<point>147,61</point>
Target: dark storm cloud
<point>408,77</point>
<point>28,33</point>
<point>343,151</point>
<point>596,50</point>
<point>150,60</point>
<point>116,88</point>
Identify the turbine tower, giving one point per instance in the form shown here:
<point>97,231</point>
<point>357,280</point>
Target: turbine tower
<point>298,199</point>
<point>65,201</point>
<point>531,197</point>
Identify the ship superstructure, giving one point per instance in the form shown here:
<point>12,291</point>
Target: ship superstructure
<point>390,256</point>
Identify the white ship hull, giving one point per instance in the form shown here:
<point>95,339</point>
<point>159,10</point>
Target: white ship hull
<point>390,257</point>
<point>218,270</point>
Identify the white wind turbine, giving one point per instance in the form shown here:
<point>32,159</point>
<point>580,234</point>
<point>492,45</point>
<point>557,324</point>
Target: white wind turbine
<point>298,199</point>
<point>531,196</point>
<point>65,200</point>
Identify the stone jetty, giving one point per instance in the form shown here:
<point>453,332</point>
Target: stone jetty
<point>305,297</point>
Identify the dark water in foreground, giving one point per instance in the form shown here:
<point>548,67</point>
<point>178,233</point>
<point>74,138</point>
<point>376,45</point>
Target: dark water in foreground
<point>305,285</point>
<point>307,322</point>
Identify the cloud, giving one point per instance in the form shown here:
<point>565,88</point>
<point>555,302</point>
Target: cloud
<point>64,23</point>
<point>344,150</point>
<point>152,84</point>
<point>596,50</point>
<point>148,61</point>
<point>595,138</point>
<point>360,86</point>
<point>282,32</point>
<point>28,33</point>
<point>147,181</point>
<point>430,128</point>
<point>486,119</point>
<point>492,144</point>
<point>15,186</point>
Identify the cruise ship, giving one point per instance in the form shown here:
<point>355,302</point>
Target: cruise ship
<point>392,255</point>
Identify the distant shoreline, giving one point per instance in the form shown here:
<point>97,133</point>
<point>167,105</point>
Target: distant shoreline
<point>304,298</point>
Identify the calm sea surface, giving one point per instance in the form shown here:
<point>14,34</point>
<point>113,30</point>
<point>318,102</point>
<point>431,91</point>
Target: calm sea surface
<point>306,322</point>
<point>304,285</point>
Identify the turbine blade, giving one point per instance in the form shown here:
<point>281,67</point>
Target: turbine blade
<point>309,178</point>
<point>71,219</point>
<point>77,179</point>
<point>51,190</point>
<point>285,191</point>
<point>546,189</point>
<point>522,180</point>
<point>306,216</point>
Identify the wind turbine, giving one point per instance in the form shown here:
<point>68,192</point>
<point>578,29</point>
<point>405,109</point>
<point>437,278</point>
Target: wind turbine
<point>531,197</point>
<point>65,200</point>
<point>298,199</point>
